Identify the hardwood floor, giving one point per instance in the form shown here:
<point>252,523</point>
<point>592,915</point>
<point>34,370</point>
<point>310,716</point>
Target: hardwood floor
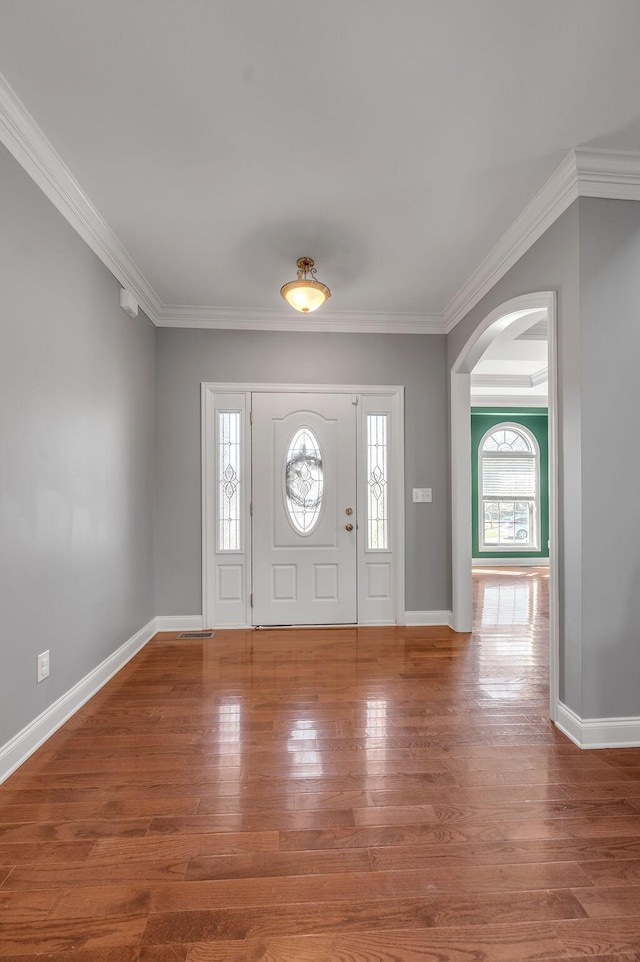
<point>340,794</point>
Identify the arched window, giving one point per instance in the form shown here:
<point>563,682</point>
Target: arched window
<point>509,490</point>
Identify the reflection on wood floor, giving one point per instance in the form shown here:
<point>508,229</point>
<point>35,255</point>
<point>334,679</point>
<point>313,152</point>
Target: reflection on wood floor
<point>329,794</point>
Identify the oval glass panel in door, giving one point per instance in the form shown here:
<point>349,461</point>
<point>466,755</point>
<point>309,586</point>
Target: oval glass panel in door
<point>303,479</point>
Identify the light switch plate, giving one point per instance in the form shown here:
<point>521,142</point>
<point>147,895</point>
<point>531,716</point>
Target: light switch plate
<point>422,495</point>
<point>43,666</point>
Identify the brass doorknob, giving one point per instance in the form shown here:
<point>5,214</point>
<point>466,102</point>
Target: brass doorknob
<point>349,527</point>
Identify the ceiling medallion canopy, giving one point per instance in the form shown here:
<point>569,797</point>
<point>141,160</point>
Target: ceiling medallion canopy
<point>306,293</point>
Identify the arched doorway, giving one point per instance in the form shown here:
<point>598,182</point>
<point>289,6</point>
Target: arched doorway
<point>514,314</point>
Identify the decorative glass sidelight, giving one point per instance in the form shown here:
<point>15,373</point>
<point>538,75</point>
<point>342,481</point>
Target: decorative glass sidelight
<point>304,480</point>
<point>377,482</point>
<point>229,481</point>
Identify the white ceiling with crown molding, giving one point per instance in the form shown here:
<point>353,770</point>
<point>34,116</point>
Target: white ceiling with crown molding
<point>514,368</point>
<point>203,146</point>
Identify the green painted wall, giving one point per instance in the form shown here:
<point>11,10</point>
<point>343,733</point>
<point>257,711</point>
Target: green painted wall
<point>535,420</point>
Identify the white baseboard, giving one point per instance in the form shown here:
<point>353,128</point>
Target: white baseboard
<point>17,750</point>
<point>510,562</point>
<point>598,732</point>
<point>569,724</point>
<point>179,623</point>
<point>435,618</point>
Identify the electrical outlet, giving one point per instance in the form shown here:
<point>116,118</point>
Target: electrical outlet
<point>43,666</point>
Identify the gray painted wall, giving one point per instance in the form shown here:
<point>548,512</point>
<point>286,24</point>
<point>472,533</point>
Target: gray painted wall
<point>187,357</point>
<point>610,322</point>
<point>77,463</point>
<point>553,264</point>
<point>591,256</point>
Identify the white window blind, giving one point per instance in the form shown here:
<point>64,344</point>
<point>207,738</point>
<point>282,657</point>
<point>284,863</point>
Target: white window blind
<point>508,477</point>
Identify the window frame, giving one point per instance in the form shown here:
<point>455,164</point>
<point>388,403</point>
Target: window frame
<point>530,547</point>
<point>290,514</point>
<point>386,519</point>
<point>238,536</point>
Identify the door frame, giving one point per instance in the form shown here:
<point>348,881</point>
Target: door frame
<point>505,315</point>
<point>209,391</point>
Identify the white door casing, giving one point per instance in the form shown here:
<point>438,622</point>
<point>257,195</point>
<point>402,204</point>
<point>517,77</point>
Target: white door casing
<point>227,572</point>
<point>304,577</point>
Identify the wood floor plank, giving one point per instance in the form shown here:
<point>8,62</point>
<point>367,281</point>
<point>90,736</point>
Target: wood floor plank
<point>406,948</point>
<point>125,953</point>
<point>87,901</point>
<point>182,846</point>
<point>607,902</point>
<point>115,808</point>
<point>597,937</point>
<point>325,795</point>
<point>278,864</point>
<point>266,821</point>
<point>506,812</point>
<point>604,790</point>
<point>26,906</point>
<point>384,836</point>
<point>56,935</point>
<point>25,852</point>
<point>32,877</point>
<point>620,871</point>
<point>486,795</point>
<point>68,831</point>
<point>618,853</point>
<point>572,827</point>
<point>487,943</point>
<point>361,915</point>
<point>489,878</point>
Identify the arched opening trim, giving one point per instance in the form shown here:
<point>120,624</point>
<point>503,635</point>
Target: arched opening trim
<point>517,314</point>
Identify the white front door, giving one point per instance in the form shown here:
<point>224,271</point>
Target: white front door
<point>304,509</point>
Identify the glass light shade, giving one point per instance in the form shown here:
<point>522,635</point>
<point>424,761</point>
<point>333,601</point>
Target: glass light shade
<point>305,295</point>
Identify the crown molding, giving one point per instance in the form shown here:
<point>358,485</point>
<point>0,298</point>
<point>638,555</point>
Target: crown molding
<point>270,319</point>
<point>539,332</point>
<point>549,203</point>
<point>612,174</point>
<point>501,380</point>
<point>509,400</point>
<point>521,381</point>
<point>584,172</point>
<point>34,152</point>
<point>539,377</point>
<point>22,136</point>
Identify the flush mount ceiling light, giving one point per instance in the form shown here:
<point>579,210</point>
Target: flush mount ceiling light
<point>306,293</point>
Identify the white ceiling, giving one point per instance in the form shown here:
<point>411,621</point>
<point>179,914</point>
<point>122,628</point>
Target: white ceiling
<point>514,368</point>
<point>394,141</point>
